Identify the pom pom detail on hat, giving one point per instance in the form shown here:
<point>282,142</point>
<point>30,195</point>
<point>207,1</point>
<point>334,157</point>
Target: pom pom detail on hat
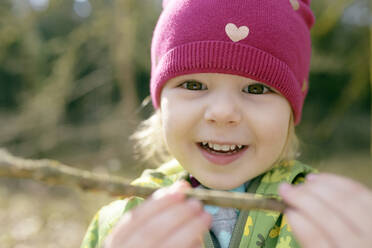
<point>295,4</point>
<point>265,40</point>
<point>304,86</point>
<point>165,2</point>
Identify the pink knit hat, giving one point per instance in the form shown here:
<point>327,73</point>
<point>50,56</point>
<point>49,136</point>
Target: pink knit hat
<point>265,40</point>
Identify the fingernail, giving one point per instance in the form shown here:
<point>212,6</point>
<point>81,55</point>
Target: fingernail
<point>284,188</point>
<point>160,193</point>
<point>311,177</point>
<point>180,184</point>
<point>194,204</point>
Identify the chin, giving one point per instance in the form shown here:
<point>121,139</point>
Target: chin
<point>220,185</point>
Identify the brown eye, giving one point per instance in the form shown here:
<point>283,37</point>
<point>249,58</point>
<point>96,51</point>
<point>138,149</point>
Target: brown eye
<point>193,85</point>
<point>256,89</point>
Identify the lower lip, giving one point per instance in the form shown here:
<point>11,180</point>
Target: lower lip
<point>221,159</point>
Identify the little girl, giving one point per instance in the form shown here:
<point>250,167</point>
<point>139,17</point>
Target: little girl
<point>228,82</point>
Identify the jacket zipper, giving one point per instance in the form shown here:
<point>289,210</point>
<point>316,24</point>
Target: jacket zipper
<point>240,224</point>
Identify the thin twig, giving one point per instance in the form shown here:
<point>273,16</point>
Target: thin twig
<point>54,172</point>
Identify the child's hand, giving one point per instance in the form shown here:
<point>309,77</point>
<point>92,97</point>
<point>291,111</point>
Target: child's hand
<point>166,219</point>
<point>329,211</point>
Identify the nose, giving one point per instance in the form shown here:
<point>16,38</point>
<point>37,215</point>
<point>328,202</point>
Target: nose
<point>223,111</point>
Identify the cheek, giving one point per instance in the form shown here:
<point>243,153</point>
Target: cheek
<point>175,125</point>
<point>167,124</point>
<point>272,130</point>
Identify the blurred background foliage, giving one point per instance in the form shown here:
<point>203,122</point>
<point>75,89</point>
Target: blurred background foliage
<point>73,75</point>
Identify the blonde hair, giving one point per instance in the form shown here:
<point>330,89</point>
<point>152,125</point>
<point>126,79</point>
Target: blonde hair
<point>149,141</point>
<point>151,148</point>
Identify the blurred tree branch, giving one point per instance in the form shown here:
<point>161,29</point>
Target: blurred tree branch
<point>54,172</point>
<point>330,16</point>
<point>351,61</point>
<point>41,118</point>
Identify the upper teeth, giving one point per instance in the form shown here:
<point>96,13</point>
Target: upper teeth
<point>221,147</point>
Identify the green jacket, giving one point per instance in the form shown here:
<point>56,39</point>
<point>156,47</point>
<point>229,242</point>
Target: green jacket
<point>253,228</point>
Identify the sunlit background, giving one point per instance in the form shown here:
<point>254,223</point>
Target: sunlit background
<point>73,75</point>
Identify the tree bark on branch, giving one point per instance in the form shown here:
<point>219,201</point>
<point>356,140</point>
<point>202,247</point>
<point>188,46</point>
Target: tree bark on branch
<point>56,173</point>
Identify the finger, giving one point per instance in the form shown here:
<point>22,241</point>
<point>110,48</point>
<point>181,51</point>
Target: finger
<point>348,198</point>
<point>307,234</point>
<point>343,186</point>
<point>319,214</point>
<point>178,186</point>
<point>165,222</point>
<point>189,233</point>
<point>197,243</point>
<point>158,201</point>
<point>135,219</point>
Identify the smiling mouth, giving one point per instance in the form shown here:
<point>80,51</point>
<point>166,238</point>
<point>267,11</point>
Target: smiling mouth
<point>222,149</point>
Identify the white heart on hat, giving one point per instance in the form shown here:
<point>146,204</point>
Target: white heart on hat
<point>236,34</point>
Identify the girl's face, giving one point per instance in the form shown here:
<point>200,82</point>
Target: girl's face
<point>223,129</point>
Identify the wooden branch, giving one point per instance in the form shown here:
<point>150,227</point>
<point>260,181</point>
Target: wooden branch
<point>54,172</point>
